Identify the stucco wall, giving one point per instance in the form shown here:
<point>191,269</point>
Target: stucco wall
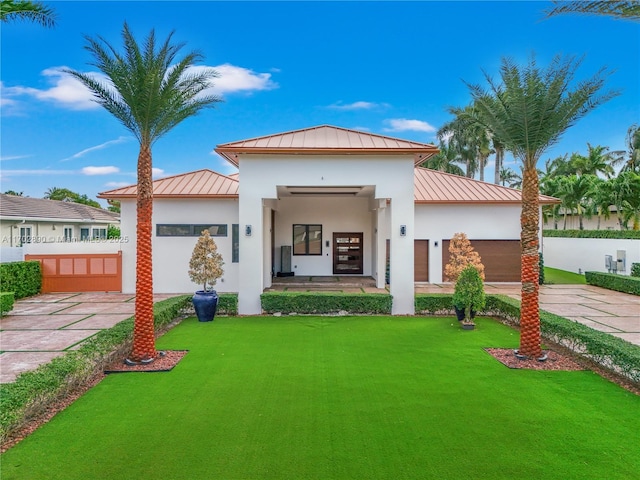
<point>479,222</point>
<point>587,254</point>
<point>171,255</point>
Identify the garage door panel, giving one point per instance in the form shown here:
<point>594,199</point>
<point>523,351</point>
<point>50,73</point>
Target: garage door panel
<point>501,259</point>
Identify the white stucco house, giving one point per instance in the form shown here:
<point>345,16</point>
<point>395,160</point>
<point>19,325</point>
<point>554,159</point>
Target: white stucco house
<point>323,201</point>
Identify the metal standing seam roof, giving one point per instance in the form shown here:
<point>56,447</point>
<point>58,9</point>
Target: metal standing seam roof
<point>326,139</point>
<point>39,209</point>
<point>199,184</point>
<point>432,186</point>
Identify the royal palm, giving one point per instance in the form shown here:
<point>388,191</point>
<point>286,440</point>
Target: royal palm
<point>150,91</point>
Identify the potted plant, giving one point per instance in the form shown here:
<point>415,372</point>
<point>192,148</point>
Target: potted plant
<point>205,267</point>
<point>469,295</point>
<point>461,255</point>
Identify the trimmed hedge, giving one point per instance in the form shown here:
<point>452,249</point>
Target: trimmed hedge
<point>6,302</point>
<point>619,234</point>
<point>35,390</point>
<point>614,281</point>
<point>635,269</point>
<point>323,303</point>
<point>609,351</point>
<point>433,303</point>
<point>227,304</point>
<point>24,279</point>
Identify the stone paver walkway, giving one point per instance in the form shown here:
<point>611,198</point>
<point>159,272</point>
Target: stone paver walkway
<point>43,327</point>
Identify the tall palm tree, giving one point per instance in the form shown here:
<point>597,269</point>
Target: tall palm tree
<point>627,185</point>
<point>457,133</point>
<point>36,12</point>
<point>598,160</point>
<point>632,164</point>
<point>529,110</point>
<point>149,91</point>
<point>445,160</point>
<point>509,178</point>
<point>575,193</point>
<point>625,9</point>
<point>603,196</point>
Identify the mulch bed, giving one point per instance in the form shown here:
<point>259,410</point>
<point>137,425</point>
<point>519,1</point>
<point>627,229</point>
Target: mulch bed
<point>554,361</point>
<point>164,362</point>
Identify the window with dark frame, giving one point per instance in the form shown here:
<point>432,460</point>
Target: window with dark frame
<point>235,243</point>
<point>307,239</point>
<point>190,230</point>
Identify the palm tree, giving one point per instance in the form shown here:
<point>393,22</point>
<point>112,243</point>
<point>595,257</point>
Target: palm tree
<point>529,110</point>
<point>633,150</point>
<point>626,9</point>
<point>574,192</point>
<point>26,10</point>
<point>602,196</point>
<point>627,185</point>
<point>598,160</point>
<point>445,160</point>
<point>149,91</point>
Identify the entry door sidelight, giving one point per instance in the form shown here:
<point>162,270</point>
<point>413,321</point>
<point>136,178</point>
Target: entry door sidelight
<point>347,253</point>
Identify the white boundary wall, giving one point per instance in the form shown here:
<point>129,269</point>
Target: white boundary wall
<point>587,254</point>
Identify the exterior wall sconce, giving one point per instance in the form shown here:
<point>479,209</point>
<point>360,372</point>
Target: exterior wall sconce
<point>247,230</point>
<point>403,230</point>
<point>435,244</point>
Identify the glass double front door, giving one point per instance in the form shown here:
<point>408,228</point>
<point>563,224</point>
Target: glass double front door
<point>347,253</point>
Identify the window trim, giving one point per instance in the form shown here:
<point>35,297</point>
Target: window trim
<point>306,242</point>
<point>195,229</point>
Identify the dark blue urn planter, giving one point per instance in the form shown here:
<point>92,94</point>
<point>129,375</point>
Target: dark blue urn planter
<point>205,305</point>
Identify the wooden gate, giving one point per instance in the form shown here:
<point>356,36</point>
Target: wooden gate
<point>91,272</point>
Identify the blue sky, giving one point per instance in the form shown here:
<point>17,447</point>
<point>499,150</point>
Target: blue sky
<point>390,68</point>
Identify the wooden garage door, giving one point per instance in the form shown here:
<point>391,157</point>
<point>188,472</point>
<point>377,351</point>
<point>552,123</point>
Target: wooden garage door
<point>501,259</point>
<point>80,272</point>
<point>421,260</point>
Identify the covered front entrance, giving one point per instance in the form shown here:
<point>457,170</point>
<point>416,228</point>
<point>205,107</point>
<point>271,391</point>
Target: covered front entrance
<point>347,253</point>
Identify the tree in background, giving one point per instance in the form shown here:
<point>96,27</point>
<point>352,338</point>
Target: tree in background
<point>625,10</point>
<point>36,12</point>
<point>66,195</point>
<point>149,91</point>
<point>509,178</point>
<point>445,160</point>
<point>13,192</point>
<point>529,110</point>
<point>632,164</point>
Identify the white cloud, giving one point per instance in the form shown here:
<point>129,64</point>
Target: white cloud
<point>360,105</point>
<point>238,79</point>
<point>117,184</point>
<point>157,172</point>
<point>404,124</point>
<point>42,171</point>
<point>82,153</point>
<point>13,157</point>
<point>100,170</point>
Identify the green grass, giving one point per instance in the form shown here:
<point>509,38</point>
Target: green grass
<point>555,276</point>
<point>339,398</point>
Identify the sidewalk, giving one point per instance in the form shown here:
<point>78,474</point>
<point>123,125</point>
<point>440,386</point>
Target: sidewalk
<point>45,326</point>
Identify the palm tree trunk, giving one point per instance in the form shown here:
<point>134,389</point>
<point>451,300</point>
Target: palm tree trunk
<point>481,162</point>
<point>499,161</point>
<point>529,220</point>
<point>144,347</point>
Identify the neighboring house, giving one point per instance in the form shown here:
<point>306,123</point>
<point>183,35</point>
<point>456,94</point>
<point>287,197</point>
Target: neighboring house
<point>36,220</point>
<point>324,201</point>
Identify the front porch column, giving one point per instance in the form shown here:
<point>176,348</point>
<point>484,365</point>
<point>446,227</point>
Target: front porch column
<point>401,254</point>
<point>250,283</point>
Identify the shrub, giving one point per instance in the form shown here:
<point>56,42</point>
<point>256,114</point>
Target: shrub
<point>6,302</point>
<point>635,269</point>
<point>24,279</point>
<point>433,303</point>
<point>34,391</point>
<point>469,292</point>
<point>613,281</point>
<point>619,234</point>
<point>322,303</point>
<point>227,304</point>
<point>205,266</point>
<point>461,255</point>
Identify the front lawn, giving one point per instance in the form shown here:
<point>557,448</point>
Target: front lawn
<point>555,276</point>
<point>338,398</point>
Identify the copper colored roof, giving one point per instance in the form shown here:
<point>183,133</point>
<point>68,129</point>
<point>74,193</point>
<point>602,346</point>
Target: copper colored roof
<point>201,183</point>
<point>326,139</point>
<point>431,186</point>
<point>25,208</point>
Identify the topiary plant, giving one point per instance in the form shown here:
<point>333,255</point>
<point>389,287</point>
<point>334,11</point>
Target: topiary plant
<point>461,255</point>
<point>206,263</point>
<point>469,292</point>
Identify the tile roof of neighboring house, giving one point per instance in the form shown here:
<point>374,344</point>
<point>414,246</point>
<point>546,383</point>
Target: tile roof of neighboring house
<point>431,186</point>
<point>199,184</point>
<point>41,209</point>
<point>326,139</point>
